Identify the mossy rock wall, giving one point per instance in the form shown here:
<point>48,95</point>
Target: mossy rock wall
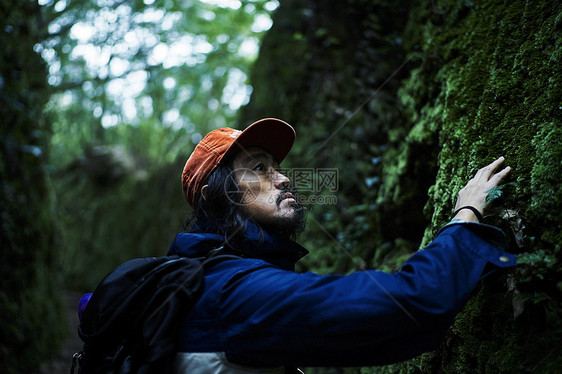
<point>407,100</point>
<point>30,303</point>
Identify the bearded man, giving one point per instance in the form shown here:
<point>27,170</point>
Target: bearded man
<point>257,315</point>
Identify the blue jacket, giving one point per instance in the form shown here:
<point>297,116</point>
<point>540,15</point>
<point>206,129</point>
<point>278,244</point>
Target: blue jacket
<point>259,312</point>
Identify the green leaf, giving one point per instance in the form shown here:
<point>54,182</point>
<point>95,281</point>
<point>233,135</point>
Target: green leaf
<point>496,192</point>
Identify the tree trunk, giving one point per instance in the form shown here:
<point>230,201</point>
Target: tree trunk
<point>30,305</point>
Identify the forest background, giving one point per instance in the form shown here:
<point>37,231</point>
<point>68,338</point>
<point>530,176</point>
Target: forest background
<point>102,101</point>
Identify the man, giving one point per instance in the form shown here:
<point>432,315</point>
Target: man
<point>258,316</point>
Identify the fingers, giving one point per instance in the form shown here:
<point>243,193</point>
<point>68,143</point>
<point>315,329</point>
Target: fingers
<point>487,171</point>
<point>497,178</point>
<point>477,189</point>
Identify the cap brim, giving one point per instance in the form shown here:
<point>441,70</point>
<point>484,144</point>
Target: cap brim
<point>272,134</point>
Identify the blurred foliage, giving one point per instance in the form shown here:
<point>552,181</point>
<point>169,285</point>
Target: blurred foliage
<point>163,73</point>
<point>136,85</point>
<point>30,307</point>
<point>407,100</point>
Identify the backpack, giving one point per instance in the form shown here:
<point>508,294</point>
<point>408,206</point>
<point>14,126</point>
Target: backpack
<point>132,320</point>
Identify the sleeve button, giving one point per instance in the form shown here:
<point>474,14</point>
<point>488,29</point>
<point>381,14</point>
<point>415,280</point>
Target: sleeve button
<point>504,259</point>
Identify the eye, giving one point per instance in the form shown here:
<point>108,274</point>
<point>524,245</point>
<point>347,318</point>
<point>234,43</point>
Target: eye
<point>259,167</point>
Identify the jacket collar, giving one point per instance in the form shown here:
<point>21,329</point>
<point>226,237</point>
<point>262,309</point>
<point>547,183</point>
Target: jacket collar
<point>257,243</point>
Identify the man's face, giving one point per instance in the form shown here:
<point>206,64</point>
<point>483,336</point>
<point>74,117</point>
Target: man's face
<point>266,197</point>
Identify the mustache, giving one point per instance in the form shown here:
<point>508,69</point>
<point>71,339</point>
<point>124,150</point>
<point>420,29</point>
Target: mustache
<point>283,192</point>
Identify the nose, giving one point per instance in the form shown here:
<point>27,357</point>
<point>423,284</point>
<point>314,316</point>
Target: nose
<point>280,180</point>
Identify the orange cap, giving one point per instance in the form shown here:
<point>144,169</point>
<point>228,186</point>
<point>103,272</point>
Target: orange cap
<point>271,134</point>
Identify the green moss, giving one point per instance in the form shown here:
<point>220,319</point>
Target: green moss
<point>481,80</point>
<point>497,99</point>
<point>546,195</point>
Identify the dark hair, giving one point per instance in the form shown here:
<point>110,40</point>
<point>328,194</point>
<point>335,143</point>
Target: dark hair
<point>219,212</point>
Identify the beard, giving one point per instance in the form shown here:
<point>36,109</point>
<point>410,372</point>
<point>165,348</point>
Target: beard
<point>291,225</point>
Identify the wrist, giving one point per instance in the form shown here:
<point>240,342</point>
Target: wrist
<point>467,213</point>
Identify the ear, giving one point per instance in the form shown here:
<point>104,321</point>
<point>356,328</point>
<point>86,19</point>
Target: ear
<point>204,192</point>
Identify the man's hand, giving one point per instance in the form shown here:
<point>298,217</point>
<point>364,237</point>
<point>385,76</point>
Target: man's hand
<point>476,190</point>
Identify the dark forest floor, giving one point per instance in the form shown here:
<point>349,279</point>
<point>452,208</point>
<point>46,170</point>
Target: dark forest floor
<point>62,362</point>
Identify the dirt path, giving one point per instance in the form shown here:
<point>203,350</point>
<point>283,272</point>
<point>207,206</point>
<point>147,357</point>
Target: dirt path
<point>62,361</point>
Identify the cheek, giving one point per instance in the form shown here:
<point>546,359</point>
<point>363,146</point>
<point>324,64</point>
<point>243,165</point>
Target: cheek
<point>261,202</point>
<point>257,193</point>
<point>250,190</point>
<point>266,202</point>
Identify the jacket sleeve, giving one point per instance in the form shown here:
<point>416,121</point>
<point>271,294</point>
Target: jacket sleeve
<point>277,317</point>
